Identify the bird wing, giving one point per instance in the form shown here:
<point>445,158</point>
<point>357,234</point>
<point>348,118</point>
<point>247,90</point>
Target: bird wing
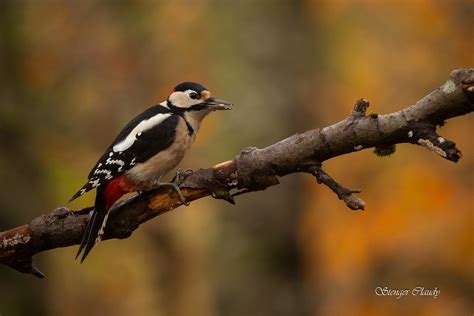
<point>142,138</point>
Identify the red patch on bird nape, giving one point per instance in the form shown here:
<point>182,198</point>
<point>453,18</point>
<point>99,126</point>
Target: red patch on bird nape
<point>115,189</point>
<point>172,90</point>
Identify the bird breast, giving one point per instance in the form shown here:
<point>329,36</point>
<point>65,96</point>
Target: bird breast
<point>145,175</point>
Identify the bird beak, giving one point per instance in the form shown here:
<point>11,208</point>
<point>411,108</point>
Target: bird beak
<point>216,104</point>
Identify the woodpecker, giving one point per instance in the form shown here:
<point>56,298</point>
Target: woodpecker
<point>148,147</point>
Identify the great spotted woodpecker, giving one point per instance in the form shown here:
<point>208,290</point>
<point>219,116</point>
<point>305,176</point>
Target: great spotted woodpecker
<point>149,146</point>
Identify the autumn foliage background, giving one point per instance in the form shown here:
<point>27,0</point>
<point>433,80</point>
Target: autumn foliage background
<point>73,73</point>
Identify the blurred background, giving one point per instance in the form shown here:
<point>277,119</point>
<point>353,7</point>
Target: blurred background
<point>73,73</point>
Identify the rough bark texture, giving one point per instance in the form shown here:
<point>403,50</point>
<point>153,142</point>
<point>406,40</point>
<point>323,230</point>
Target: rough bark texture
<point>256,169</point>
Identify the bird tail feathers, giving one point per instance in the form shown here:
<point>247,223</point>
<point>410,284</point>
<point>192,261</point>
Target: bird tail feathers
<point>95,226</point>
<point>87,187</point>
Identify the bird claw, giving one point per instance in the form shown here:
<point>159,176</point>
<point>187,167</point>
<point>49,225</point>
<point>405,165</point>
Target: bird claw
<point>181,175</point>
<point>178,191</point>
<point>173,185</point>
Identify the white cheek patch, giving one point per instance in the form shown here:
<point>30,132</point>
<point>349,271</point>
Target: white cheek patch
<point>182,99</point>
<point>140,128</point>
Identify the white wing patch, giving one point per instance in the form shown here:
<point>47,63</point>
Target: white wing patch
<point>115,162</point>
<point>143,126</point>
<point>95,183</point>
<point>119,162</point>
<point>108,174</point>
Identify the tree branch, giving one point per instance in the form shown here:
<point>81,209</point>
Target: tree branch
<point>256,169</point>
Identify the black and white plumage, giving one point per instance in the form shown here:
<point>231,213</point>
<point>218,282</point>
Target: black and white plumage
<point>148,147</point>
<point>146,135</point>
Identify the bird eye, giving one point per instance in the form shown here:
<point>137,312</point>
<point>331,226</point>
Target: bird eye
<point>194,95</point>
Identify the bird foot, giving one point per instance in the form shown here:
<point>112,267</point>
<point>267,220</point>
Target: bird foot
<point>181,175</point>
<point>176,188</point>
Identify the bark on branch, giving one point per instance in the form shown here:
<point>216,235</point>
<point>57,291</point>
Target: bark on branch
<point>256,169</point>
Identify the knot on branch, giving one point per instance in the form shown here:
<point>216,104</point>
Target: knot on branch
<point>216,181</point>
<point>61,220</point>
<point>360,108</point>
<point>465,77</point>
<point>254,173</point>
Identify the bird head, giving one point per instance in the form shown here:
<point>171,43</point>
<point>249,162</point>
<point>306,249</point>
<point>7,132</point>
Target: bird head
<point>191,96</point>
